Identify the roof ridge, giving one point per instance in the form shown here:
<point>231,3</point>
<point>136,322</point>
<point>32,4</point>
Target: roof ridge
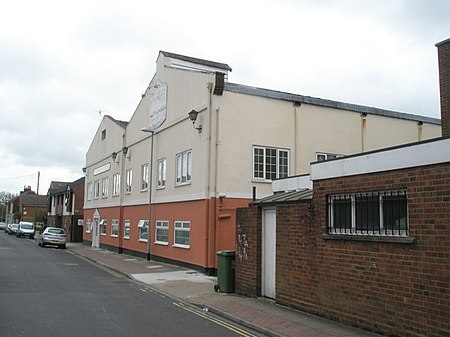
<point>281,95</point>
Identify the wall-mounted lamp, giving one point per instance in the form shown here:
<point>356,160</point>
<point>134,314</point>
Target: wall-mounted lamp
<point>84,170</point>
<point>125,150</point>
<point>193,117</point>
<point>114,156</point>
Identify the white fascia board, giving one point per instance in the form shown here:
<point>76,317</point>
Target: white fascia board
<point>292,183</point>
<point>180,64</point>
<point>421,154</point>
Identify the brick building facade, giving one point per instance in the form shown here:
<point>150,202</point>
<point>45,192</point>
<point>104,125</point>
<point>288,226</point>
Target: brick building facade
<point>392,279</point>
<point>394,285</point>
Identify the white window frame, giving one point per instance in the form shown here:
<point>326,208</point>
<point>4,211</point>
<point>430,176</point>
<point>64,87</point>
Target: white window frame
<point>105,187</point>
<point>162,173</point>
<point>126,229</point>
<point>114,228</point>
<point>143,224</point>
<point>90,191</point>
<point>161,225</point>
<point>116,184</point>
<point>183,169</point>
<point>327,156</point>
<point>278,172</point>
<point>88,226</point>
<point>129,180</point>
<point>181,226</point>
<point>96,189</point>
<point>103,224</point>
<point>144,177</point>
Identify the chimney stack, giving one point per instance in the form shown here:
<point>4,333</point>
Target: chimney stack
<point>444,84</point>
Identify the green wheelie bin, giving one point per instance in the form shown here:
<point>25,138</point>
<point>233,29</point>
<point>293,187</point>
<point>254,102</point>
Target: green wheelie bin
<point>225,271</point>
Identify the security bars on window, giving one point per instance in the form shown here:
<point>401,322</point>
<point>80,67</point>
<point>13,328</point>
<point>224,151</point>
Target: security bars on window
<point>372,213</point>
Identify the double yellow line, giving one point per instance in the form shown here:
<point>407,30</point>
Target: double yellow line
<point>217,321</point>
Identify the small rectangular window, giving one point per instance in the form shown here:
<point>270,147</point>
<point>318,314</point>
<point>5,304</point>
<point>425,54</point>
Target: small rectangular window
<point>103,224</point>
<point>161,173</point>
<point>105,187</point>
<point>184,167</point>
<point>162,232</point>
<point>126,229</point>
<point>182,234</point>
<point>144,177</point>
<point>326,156</point>
<point>143,230</point>
<point>88,226</point>
<point>129,181</point>
<point>116,184</point>
<point>115,228</point>
<point>103,134</point>
<point>96,189</point>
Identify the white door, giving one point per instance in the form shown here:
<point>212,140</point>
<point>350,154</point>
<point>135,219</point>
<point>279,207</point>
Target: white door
<point>96,233</point>
<point>268,252</point>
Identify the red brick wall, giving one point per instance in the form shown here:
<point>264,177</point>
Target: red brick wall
<point>248,251</point>
<point>444,84</point>
<point>78,192</point>
<point>397,289</point>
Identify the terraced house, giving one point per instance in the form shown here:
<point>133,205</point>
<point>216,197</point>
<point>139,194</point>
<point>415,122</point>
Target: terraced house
<point>167,182</point>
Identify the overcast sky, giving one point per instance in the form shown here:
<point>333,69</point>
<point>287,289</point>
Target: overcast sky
<point>63,61</point>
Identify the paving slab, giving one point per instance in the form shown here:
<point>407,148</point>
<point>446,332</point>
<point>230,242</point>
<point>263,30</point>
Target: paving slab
<point>194,288</point>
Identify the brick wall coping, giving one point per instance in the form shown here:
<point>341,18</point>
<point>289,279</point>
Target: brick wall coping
<point>412,155</point>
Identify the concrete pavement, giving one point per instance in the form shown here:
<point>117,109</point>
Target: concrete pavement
<point>197,289</point>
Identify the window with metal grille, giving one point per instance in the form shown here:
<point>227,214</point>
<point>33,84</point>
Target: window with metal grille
<point>372,213</point>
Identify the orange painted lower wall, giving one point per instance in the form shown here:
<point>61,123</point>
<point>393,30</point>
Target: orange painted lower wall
<point>212,228</point>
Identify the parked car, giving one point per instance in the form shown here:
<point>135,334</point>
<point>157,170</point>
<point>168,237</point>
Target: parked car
<point>25,229</point>
<point>2,225</point>
<point>53,236</point>
<point>12,228</point>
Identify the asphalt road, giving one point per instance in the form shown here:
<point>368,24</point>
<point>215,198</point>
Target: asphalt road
<point>51,292</point>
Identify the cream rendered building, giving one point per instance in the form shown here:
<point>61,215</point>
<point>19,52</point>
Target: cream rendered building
<point>243,138</point>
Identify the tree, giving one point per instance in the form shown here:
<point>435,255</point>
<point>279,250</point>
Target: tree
<point>5,197</point>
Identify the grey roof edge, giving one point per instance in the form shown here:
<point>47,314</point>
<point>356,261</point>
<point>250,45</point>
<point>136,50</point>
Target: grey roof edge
<point>299,196</point>
<point>442,42</point>
<point>279,95</point>
<point>196,60</point>
<point>77,182</point>
<point>122,124</point>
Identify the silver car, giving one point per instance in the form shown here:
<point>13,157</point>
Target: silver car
<point>25,229</point>
<point>12,228</point>
<point>53,236</point>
